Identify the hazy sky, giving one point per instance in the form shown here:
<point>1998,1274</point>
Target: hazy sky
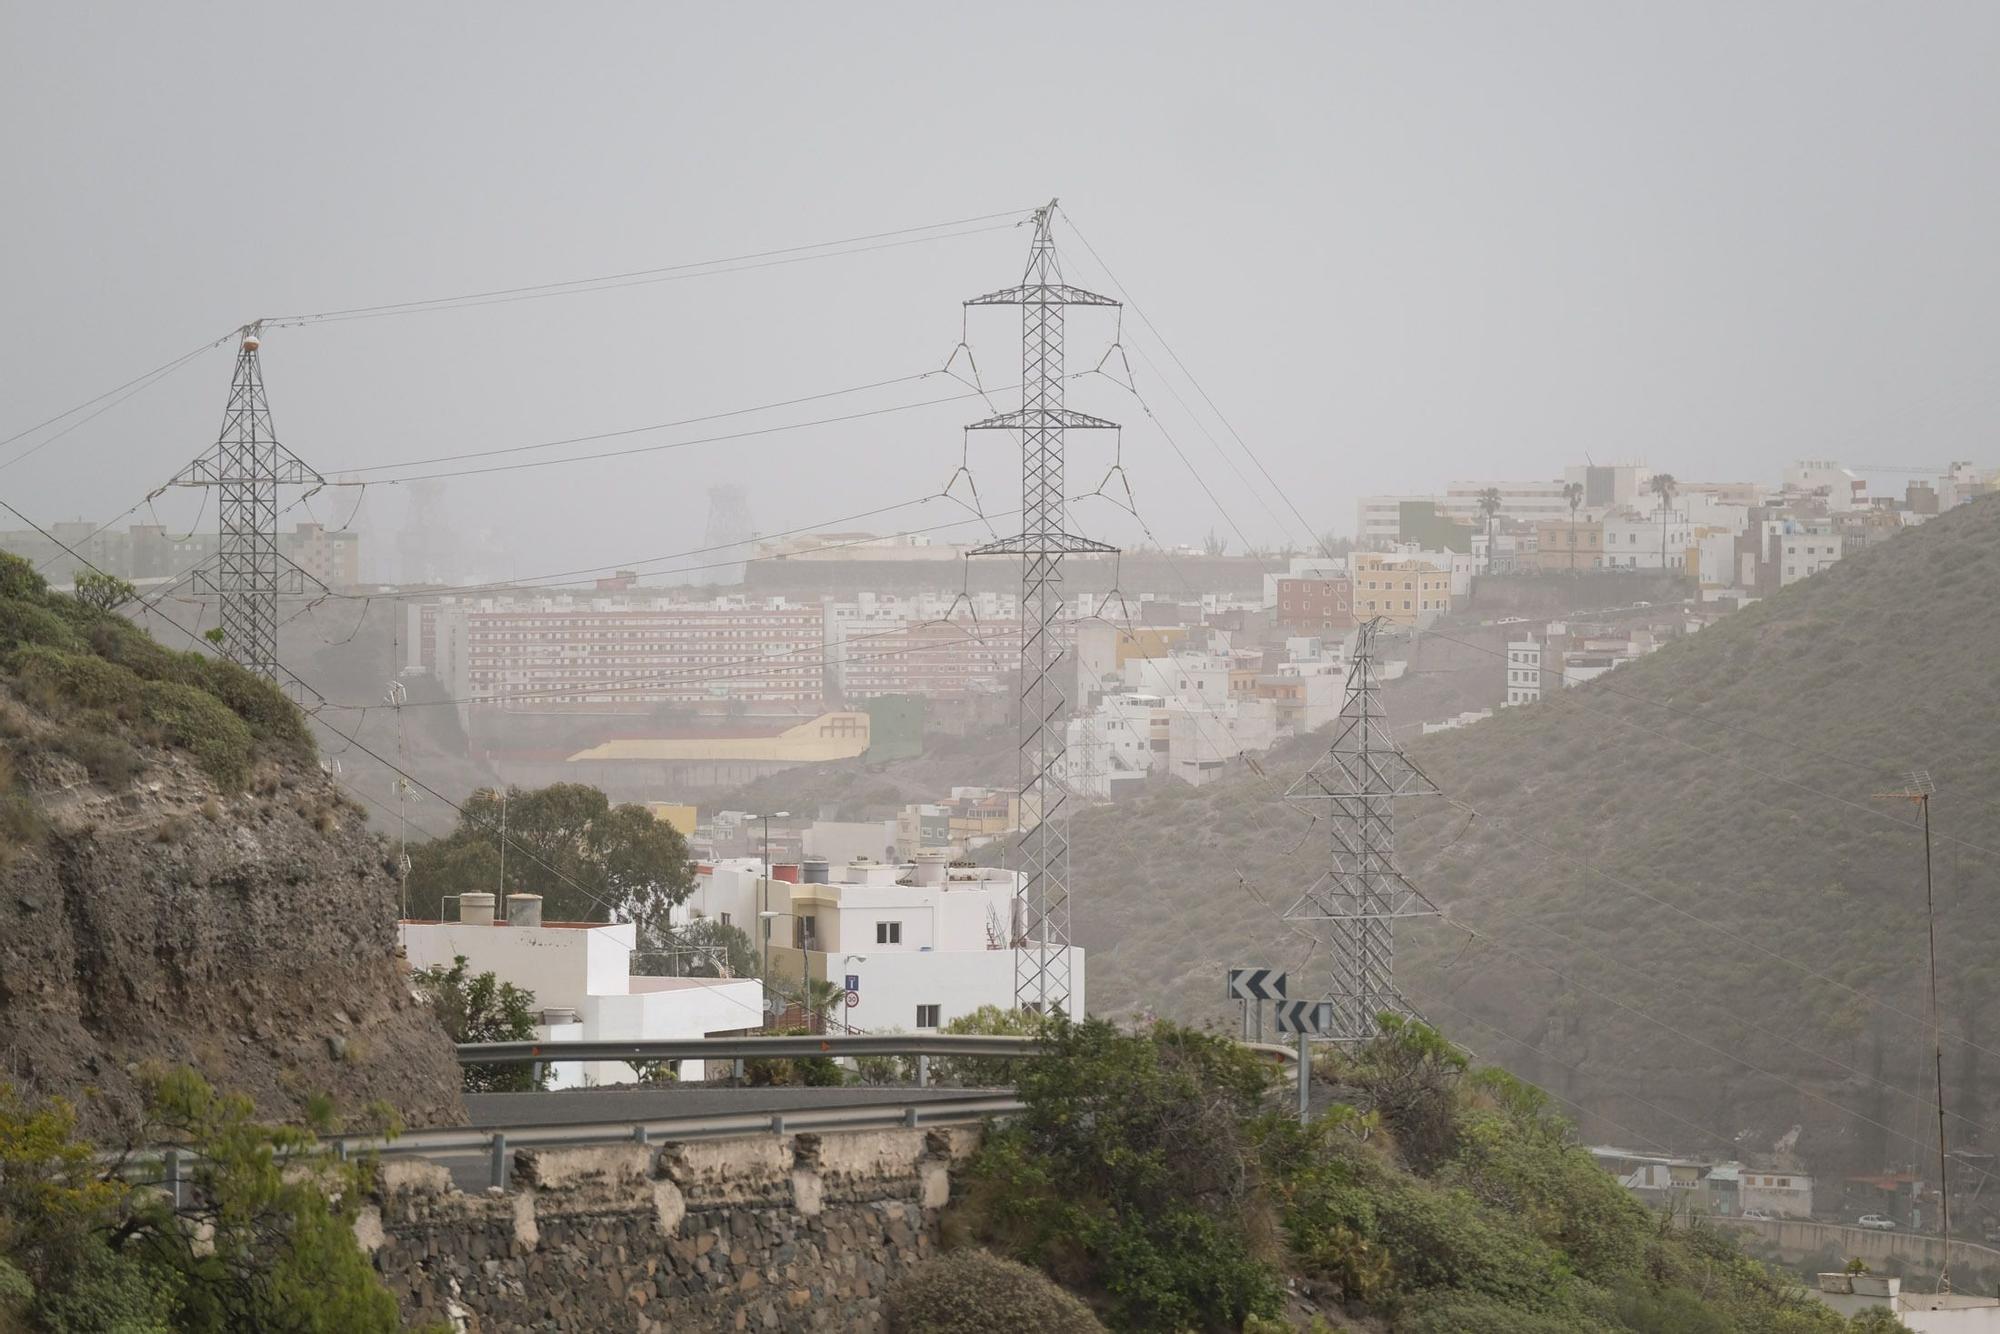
<point>1397,244</point>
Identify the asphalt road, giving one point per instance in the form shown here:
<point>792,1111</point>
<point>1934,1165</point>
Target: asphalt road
<point>581,1106</point>
<point>471,1170</point>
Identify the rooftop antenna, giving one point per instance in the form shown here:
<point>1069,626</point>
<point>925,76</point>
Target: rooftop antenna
<point>1354,904</point>
<point>1042,980</point>
<point>248,465</point>
<point>1918,787</point>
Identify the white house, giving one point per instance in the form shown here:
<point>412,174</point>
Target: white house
<point>580,976</point>
<point>844,840</point>
<point>913,947</point>
<point>1632,541</point>
<point>1524,670</point>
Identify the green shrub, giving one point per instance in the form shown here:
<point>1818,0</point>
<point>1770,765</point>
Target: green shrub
<point>120,641</point>
<point>779,1072</point>
<point>18,578</point>
<point>24,622</point>
<point>62,681</point>
<point>1132,1168</point>
<point>271,716</point>
<point>204,726</point>
<point>974,1292</point>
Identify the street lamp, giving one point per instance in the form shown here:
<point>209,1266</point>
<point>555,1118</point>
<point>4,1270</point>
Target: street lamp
<point>764,913</point>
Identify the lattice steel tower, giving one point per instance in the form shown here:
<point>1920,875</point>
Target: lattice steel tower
<point>1353,906</point>
<point>1041,938</point>
<point>247,466</point>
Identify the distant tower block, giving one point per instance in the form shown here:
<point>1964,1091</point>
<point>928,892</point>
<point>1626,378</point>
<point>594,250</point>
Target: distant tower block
<point>247,466</point>
<point>1353,906</point>
<point>1042,979</point>
<point>729,528</point>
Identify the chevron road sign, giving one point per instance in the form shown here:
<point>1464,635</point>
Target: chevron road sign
<point>1256,984</point>
<point>1311,1018</point>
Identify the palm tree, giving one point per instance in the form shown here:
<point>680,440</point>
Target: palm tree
<point>1489,505</point>
<point>816,1000</point>
<point>1573,493</point>
<point>1664,486</point>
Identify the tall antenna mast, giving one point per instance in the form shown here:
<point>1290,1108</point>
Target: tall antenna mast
<point>1042,979</point>
<point>247,466</point>
<point>1352,907</point>
<point>1918,787</point>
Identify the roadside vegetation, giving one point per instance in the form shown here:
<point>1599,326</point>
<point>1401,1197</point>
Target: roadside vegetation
<point>263,1239</point>
<point>481,1008</point>
<point>1163,1177</point>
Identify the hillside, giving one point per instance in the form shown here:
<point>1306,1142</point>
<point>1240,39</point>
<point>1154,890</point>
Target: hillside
<point>1679,869</point>
<point>181,884</point>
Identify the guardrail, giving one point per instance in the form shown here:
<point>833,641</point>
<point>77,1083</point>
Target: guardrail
<point>167,1168</point>
<point>920,1045</point>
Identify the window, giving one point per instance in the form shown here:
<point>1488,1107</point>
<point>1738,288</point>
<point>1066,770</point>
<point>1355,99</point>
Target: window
<point>804,936</point>
<point>888,933</point>
<point>725,919</point>
<point>927,1016</point>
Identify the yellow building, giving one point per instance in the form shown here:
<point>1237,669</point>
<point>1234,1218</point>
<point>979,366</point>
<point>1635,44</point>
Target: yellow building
<point>1563,545</point>
<point>682,818</point>
<point>1398,589</point>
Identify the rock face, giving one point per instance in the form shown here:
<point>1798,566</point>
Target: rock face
<point>248,935</point>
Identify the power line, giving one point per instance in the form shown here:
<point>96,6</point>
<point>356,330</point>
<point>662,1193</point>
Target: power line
<point>671,445</point>
<point>1283,494</point>
<point>638,430</point>
<point>117,396</point>
<point>667,273</point>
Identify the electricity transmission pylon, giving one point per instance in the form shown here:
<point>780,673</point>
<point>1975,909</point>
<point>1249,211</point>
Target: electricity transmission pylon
<point>1042,979</point>
<point>247,466</point>
<point>1353,905</point>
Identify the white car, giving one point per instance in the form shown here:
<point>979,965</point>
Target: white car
<point>1757,1215</point>
<point>1876,1221</point>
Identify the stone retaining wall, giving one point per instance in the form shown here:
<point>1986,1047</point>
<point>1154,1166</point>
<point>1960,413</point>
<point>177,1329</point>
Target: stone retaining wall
<point>765,1232</point>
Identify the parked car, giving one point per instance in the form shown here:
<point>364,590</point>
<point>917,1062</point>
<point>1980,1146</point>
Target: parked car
<point>1876,1221</point>
<point>1758,1215</point>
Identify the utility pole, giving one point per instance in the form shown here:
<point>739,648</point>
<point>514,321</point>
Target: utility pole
<point>1042,979</point>
<point>248,465</point>
<point>1352,907</point>
<point>1918,787</point>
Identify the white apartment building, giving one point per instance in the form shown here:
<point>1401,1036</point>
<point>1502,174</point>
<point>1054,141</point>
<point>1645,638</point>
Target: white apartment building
<point>913,946</point>
<point>581,978</point>
<point>1524,671</point>
<point>1800,553</point>
<point>1112,749</point>
<point>1202,739</point>
<point>1632,541</point>
<point>845,840</point>
<point>1843,488</point>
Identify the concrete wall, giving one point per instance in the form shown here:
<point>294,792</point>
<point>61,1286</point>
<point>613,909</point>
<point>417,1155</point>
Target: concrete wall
<point>1797,1241</point>
<point>766,1232</point>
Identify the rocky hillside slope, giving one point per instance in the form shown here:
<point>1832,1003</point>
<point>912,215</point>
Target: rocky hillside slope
<point>1698,923</point>
<point>180,883</point>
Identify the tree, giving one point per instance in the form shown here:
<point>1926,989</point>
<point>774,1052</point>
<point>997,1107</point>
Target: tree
<point>261,1238</point>
<point>483,1009</point>
<point>589,860</point>
<point>817,999</point>
<point>106,592</point>
<point>1665,487</point>
<point>1489,505</point>
<point>1573,493</point>
<point>702,948</point>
